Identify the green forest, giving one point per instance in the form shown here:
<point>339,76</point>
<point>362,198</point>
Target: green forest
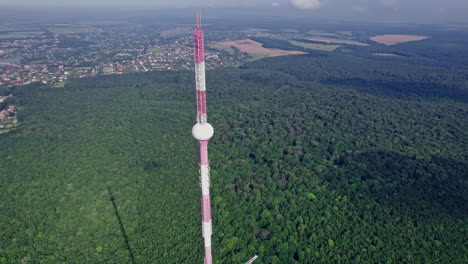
<point>320,158</point>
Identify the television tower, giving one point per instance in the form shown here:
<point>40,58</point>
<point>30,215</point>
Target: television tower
<point>202,131</point>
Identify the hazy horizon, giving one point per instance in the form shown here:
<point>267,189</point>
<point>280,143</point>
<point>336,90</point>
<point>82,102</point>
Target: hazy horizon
<point>417,11</point>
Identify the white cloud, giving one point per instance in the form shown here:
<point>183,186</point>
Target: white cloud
<point>275,4</point>
<point>305,4</point>
<point>360,9</point>
<point>393,4</point>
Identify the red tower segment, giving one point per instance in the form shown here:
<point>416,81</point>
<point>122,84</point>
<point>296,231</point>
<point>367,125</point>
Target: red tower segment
<point>198,44</point>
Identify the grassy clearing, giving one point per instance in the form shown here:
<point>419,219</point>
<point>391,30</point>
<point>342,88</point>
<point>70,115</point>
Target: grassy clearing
<point>387,55</point>
<point>230,50</point>
<point>219,46</point>
<point>314,46</point>
<point>257,56</point>
<point>58,85</point>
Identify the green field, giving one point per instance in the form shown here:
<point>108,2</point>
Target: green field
<point>254,56</point>
<point>387,55</point>
<point>219,46</point>
<point>20,34</point>
<point>320,32</point>
<point>322,47</point>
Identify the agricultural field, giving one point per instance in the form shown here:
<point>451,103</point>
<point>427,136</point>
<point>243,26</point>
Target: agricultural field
<point>176,31</point>
<point>314,46</point>
<point>336,40</point>
<point>387,55</point>
<point>19,34</point>
<point>220,46</point>
<point>254,47</point>
<point>71,29</point>
<point>322,33</point>
<point>396,39</point>
<point>255,30</point>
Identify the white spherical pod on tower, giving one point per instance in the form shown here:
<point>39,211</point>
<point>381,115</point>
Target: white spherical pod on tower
<point>202,131</point>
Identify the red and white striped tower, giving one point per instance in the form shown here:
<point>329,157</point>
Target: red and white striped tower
<point>202,131</point>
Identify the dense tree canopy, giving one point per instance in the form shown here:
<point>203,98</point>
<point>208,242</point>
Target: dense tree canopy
<point>317,161</point>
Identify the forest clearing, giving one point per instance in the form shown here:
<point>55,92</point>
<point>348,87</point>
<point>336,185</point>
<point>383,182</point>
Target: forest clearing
<point>254,47</point>
<point>332,40</point>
